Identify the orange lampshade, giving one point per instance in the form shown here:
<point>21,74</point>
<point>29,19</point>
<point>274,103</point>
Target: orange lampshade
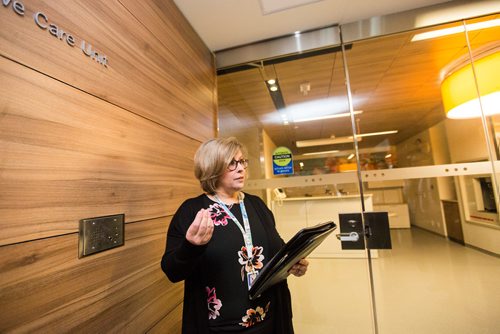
<point>459,92</point>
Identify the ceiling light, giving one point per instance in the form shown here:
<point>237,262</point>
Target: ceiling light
<point>284,117</point>
<point>350,156</point>
<point>324,141</point>
<point>459,93</point>
<point>340,140</point>
<point>387,156</point>
<point>455,30</point>
<point>346,114</point>
<point>304,88</point>
<point>275,94</point>
<point>322,152</point>
<point>297,33</point>
<point>370,134</point>
<point>273,6</point>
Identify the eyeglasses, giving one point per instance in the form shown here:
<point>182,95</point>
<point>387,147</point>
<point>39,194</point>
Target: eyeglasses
<point>234,164</point>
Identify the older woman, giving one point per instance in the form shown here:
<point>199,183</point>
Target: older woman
<point>218,242</point>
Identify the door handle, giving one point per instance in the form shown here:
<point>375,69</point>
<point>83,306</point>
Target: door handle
<point>353,236</point>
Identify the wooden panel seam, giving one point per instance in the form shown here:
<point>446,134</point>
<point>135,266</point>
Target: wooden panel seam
<point>66,234</point>
<point>100,98</point>
<point>166,315</point>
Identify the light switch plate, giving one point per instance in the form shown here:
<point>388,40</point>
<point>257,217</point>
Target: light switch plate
<point>100,233</point>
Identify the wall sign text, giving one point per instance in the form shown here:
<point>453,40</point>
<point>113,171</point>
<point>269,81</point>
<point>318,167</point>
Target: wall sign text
<point>43,22</point>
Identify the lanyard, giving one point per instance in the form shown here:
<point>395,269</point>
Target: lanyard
<point>245,231</point>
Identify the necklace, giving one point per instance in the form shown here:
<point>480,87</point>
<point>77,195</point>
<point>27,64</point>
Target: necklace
<point>214,198</point>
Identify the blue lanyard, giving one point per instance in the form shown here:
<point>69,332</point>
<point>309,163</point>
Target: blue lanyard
<point>245,231</point>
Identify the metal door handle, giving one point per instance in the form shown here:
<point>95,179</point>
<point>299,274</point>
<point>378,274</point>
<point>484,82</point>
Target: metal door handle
<point>353,236</point>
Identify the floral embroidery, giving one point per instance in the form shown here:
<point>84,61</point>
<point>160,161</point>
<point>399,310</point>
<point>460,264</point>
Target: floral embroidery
<point>214,304</point>
<point>218,215</point>
<point>254,316</point>
<point>252,264</point>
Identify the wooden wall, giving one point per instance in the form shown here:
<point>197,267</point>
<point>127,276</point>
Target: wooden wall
<point>79,139</point>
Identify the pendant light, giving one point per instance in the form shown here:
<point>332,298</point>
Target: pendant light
<point>459,93</point>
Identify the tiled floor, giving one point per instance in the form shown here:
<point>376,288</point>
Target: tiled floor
<point>425,284</point>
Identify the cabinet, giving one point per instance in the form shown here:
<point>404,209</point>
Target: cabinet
<point>453,221</point>
<point>388,197</point>
<point>399,216</point>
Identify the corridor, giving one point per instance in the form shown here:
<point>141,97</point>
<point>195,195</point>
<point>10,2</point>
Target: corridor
<point>425,284</point>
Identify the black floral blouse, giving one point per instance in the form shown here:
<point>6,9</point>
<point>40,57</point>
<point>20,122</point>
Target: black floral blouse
<point>217,274</point>
<point>229,307</point>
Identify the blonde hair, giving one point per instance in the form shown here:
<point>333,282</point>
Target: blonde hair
<point>212,159</point>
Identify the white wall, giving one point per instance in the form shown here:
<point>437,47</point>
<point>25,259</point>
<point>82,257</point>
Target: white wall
<point>268,147</point>
<point>441,155</point>
<point>251,137</point>
<point>466,140</point>
<point>422,195</point>
<point>467,143</point>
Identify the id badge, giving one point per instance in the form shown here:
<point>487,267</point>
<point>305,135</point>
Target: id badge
<point>251,277</point>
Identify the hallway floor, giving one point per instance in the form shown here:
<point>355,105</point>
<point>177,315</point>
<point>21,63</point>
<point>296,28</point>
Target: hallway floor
<point>425,284</point>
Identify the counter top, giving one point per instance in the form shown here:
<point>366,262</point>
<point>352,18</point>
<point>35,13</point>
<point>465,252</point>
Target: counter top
<point>308,198</point>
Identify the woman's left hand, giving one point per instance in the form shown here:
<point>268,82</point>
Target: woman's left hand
<point>299,268</point>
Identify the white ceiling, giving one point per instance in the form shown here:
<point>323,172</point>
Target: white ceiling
<point>227,23</point>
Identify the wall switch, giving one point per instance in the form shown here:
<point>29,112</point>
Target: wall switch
<point>100,233</point>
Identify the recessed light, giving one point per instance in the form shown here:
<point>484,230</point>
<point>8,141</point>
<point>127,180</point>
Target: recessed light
<point>324,141</point>
<point>322,152</point>
<point>273,88</point>
<point>345,114</point>
<point>455,30</point>
<point>376,133</point>
<point>271,81</point>
<point>340,140</point>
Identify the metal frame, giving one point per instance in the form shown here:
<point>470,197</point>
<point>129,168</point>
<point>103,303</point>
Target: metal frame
<point>374,27</point>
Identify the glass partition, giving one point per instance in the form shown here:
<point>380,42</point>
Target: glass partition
<point>432,172</point>
<point>309,103</point>
<point>481,100</point>
<point>438,185</point>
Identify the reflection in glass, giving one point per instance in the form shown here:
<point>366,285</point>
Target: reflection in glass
<point>396,84</point>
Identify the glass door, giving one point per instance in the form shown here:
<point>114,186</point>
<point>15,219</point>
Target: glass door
<point>428,157</point>
<point>301,105</point>
<point>372,126</point>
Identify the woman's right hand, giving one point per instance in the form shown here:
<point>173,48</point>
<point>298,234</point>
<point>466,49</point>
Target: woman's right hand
<point>201,229</point>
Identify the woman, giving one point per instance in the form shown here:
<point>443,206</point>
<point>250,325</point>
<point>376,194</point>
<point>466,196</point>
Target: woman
<point>218,242</point>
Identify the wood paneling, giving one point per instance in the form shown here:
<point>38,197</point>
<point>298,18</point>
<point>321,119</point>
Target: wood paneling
<point>396,82</point>
<point>151,72</point>
<point>79,139</point>
<point>44,287</point>
<point>171,324</point>
<point>67,155</point>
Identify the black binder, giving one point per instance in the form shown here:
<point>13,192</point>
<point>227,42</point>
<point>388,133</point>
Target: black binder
<point>301,245</point>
